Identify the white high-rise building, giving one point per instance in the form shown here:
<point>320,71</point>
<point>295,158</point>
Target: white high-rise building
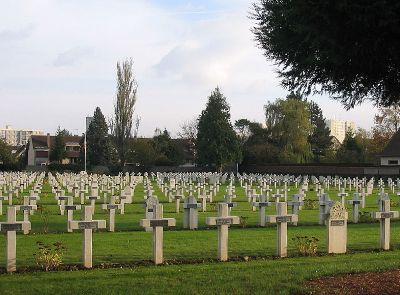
<point>339,128</point>
<point>17,137</point>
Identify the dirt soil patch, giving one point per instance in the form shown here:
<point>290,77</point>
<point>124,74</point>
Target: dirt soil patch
<point>370,283</point>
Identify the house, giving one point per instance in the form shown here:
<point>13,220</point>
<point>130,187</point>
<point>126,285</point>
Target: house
<point>391,154</point>
<point>39,147</point>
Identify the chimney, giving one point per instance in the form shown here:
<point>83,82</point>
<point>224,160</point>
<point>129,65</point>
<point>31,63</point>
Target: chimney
<point>48,140</point>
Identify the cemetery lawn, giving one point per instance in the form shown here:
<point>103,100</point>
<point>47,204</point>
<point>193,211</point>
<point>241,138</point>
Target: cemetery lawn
<point>269,276</point>
<point>122,263</point>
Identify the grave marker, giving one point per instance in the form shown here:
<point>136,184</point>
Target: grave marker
<point>157,223</point>
<point>223,221</point>
<point>87,225</point>
<point>10,227</point>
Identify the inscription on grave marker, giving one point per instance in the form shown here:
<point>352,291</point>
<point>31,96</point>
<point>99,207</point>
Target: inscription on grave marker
<point>387,215</point>
<point>337,222</point>
<point>224,221</point>
<point>11,227</point>
<point>88,225</point>
<point>156,222</point>
<point>283,219</point>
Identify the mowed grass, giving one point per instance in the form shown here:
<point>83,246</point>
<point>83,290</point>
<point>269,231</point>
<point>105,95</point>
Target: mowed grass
<point>197,250</point>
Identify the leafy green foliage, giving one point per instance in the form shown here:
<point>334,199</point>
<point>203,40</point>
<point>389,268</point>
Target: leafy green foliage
<point>320,138</point>
<point>351,150</point>
<point>288,127</point>
<point>57,150</point>
<point>347,49</point>
<point>6,157</point>
<point>307,246</point>
<point>217,143</point>
<point>141,152</point>
<point>49,257</point>
<point>98,141</point>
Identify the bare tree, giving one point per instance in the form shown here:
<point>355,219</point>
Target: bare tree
<point>189,131</point>
<point>121,124</point>
<point>388,119</point>
<point>136,128</point>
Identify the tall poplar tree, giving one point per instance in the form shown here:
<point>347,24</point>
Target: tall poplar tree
<point>121,124</point>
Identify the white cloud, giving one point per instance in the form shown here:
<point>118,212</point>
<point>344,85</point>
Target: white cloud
<point>63,64</point>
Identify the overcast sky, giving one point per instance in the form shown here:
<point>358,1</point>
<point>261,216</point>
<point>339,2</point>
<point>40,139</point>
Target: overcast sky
<point>58,62</point>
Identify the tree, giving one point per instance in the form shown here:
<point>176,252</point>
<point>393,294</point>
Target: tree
<point>242,127</point>
<point>288,128</point>
<point>347,49</point>
<point>189,132</point>
<point>141,152</point>
<point>121,124</point>
<point>6,157</point>
<point>320,138</point>
<point>57,150</point>
<point>351,150</point>
<point>98,141</point>
<point>217,143</point>
<point>168,152</point>
<point>388,120</point>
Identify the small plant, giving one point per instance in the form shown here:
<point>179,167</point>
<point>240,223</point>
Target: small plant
<point>365,217</point>
<point>44,216</point>
<point>243,221</point>
<point>213,206</point>
<point>310,204</point>
<point>307,246</point>
<point>49,257</point>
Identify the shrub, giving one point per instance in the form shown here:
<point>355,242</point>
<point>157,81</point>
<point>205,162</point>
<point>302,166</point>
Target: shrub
<point>365,216</point>
<point>307,246</point>
<point>49,257</point>
<point>44,216</point>
<point>243,221</point>
<point>310,204</point>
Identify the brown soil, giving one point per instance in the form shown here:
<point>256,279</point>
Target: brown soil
<point>370,283</point>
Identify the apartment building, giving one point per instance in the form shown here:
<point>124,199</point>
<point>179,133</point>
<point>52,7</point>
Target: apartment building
<point>17,137</point>
<point>339,128</point>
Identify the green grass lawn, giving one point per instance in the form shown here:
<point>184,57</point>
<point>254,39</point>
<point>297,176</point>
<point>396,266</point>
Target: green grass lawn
<point>191,254</point>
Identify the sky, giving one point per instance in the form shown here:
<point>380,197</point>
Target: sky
<point>58,62</point>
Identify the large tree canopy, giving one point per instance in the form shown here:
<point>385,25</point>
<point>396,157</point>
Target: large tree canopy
<point>348,49</point>
<point>98,142</point>
<point>217,143</point>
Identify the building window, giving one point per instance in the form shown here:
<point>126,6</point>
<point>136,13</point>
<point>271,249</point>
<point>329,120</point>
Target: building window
<point>393,162</point>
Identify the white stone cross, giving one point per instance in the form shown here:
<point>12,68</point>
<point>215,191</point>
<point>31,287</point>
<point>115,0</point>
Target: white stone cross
<point>223,221</point>
<point>262,204</point>
<point>93,200</point>
<point>32,201</point>
<point>10,227</point>
<point>26,208</point>
<point>384,216</point>
<point>295,204</point>
<point>157,223</point>
<point>177,198</point>
<point>342,196</point>
<point>70,208</point>
<point>111,212</point>
<point>2,198</point>
<point>281,220</point>
<point>149,207</point>
<point>324,204</point>
<point>61,200</point>
<point>190,218</point>
<point>87,225</point>
<point>355,203</point>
